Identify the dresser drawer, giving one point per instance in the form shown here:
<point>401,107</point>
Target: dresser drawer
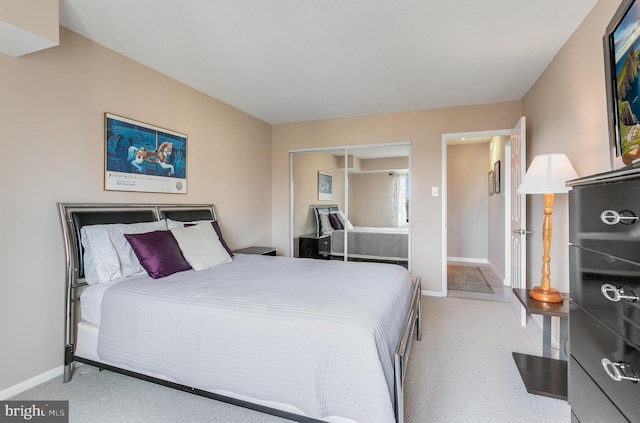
<point>599,284</point>
<point>587,401</point>
<point>616,231</point>
<point>591,342</point>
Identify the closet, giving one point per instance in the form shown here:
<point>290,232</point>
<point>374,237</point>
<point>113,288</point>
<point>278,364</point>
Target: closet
<point>369,185</point>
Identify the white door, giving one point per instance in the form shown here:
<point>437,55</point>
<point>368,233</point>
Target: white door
<point>516,260</point>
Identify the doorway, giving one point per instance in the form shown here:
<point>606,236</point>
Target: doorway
<point>473,211</point>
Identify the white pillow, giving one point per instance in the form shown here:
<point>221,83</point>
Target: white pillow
<point>343,219</point>
<point>107,253</point>
<point>325,225</point>
<point>200,246</point>
<point>178,224</point>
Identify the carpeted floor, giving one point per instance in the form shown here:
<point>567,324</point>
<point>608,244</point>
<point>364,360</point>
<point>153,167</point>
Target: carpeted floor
<point>461,371</point>
<point>466,278</point>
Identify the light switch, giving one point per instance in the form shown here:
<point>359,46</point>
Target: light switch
<point>434,191</point>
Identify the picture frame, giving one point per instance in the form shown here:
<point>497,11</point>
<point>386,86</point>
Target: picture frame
<point>623,111</point>
<point>496,177</point>
<point>491,182</point>
<point>325,186</point>
<point>142,157</point>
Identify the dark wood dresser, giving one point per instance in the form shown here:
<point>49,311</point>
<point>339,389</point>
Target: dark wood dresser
<point>604,320</point>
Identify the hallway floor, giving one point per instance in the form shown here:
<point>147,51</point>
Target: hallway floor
<point>501,293</point>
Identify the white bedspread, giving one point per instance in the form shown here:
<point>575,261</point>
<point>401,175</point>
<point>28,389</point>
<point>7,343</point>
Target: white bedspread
<point>319,335</point>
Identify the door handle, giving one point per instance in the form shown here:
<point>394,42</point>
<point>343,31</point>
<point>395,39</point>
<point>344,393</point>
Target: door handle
<point>521,231</point>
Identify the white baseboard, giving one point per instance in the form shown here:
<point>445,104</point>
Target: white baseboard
<point>498,274</point>
<point>432,293</point>
<point>468,260</point>
<point>30,383</point>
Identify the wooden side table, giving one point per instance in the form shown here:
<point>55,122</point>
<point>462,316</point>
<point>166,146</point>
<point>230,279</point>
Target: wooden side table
<point>263,251</point>
<point>544,375</point>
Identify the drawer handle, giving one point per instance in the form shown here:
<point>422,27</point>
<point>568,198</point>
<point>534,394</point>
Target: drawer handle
<point>615,294</point>
<point>612,217</point>
<point>619,371</point>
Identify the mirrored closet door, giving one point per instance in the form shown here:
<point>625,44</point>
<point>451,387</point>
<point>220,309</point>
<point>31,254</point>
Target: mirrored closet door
<point>351,203</point>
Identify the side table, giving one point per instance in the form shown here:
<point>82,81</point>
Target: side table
<point>544,375</point>
<point>263,251</point>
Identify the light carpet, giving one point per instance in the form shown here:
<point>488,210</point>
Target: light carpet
<point>467,278</point>
<point>462,371</point>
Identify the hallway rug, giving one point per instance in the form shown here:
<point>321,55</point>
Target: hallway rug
<point>467,278</point>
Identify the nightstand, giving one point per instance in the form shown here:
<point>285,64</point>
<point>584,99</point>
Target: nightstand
<point>314,246</point>
<point>263,251</point>
<point>545,375</point>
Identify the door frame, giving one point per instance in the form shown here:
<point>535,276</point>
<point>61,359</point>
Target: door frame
<point>445,139</point>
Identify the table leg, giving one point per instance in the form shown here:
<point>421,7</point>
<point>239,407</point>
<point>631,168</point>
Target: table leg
<point>564,334</point>
<point>546,336</point>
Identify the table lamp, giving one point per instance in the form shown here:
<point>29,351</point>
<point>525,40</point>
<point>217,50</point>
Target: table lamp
<point>547,175</point>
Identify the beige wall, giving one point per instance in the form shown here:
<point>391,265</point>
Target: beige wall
<point>424,129</point>
<point>566,112</point>
<point>28,26</point>
<point>370,199</point>
<point>52,121</point>
<point>468,202</point>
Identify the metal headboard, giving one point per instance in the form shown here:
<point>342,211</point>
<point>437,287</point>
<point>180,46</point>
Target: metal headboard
<point>319,209</point>
<point>73,216</point>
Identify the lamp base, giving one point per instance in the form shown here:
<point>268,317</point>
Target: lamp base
<point>550,295</point>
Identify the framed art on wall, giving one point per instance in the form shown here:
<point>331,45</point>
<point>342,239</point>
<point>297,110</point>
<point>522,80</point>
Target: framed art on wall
<point>324,186</point>
<point>144,158</point>
<point>621,44</point>
<point>496,177</point>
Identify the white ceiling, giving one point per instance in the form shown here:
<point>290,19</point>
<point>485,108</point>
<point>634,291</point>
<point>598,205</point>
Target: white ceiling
<point>289,61</point>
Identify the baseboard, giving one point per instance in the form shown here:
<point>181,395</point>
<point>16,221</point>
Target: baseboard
<point>498,274</point>
<point>30,383</point>
<point>468,260</point>
<point>432,293</point>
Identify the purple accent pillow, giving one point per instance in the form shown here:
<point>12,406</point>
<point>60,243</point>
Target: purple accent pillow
<point>158,252</point>
<point>335,222</point>
<point>216,227</point>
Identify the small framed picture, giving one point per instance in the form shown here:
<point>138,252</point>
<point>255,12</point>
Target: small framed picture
<point>324,186</point>
<point>496,177</point>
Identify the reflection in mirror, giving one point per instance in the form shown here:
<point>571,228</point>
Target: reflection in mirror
<point>367,215</point>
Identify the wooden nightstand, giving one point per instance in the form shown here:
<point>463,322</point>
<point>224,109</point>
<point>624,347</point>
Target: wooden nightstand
<point>263,251</point>
<point>314,246</point>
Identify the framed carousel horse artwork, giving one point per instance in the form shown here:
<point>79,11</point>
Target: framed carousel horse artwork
<point>142,157</point>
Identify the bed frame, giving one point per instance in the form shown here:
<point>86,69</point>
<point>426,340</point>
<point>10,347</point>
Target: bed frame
<point>73,216</point>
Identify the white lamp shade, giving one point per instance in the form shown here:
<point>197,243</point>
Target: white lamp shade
<point>547,174</point>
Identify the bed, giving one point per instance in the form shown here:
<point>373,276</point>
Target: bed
<point>363,243</point>
<point>290,337</point>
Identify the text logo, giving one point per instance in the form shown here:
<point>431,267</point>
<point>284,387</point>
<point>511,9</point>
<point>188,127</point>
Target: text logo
<point>34,411</point>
